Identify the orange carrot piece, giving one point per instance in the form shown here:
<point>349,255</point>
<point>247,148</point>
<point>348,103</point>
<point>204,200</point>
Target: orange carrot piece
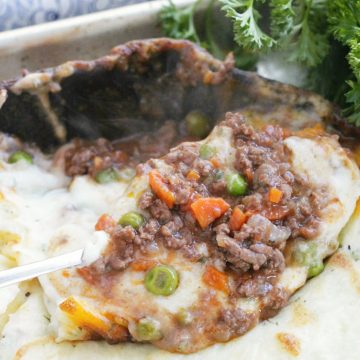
<point>193,175</point>
<point>84,317</point>
<point>275,195</point>
<point>105,223</point>
<point>216,279</point>
<point>207,210</point>
<point>215,163</point>
<point>142,264</point>
<point>237,219</point>
<point>161,189</point>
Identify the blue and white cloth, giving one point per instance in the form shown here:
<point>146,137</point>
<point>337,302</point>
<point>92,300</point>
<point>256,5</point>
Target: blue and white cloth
<point>19,13</point>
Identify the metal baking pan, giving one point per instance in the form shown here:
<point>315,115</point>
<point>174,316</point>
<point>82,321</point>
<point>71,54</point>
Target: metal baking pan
<point>89,37</point>
<point>84,37</point>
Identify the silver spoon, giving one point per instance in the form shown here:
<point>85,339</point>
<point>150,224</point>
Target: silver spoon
<point>35,269</point>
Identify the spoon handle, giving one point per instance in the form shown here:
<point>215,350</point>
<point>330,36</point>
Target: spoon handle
<point>35,269</point>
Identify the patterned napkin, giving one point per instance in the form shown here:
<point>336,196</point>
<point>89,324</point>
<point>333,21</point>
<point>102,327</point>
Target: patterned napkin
<point>19,13</point>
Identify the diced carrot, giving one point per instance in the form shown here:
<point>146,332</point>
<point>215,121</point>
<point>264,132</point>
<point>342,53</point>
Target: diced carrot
<point>82,316</point>
<point>161,189</point>
<point>207,210</point>
<point>193,175</point>
<point>275,195</point>
<point>215,163</point>
<point>97,162</point>
<point>216,279</point>
<point>237,219</point>
<point>142,264</point>
<point>105,223</point>
<point>249,174</point>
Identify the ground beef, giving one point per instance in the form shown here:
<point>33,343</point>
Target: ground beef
<point>160,211</point>
<point>255,246</point>
<point>174,234</point>
<point>185,157</point>
<point>186,154</point>
<point>146,200</point>
<point>123,241</point>
<point>256,286</point>
<point>203,167</point>
<point>234,322</point>
<point>148,231</point>
<point>181,188</point>
<point>262,157</point>
<point>253,202</point>
<point>89,158</point>
<point>218,187</point>
<point>274,300</point>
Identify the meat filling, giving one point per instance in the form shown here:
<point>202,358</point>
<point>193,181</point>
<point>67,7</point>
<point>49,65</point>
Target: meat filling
<point>91,157</point>
<point>247,239</point>
<point>255,248</point>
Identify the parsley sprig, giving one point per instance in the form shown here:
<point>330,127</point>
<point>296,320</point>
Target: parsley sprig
<point>245,18</point>
<point>344,20</point>
<point>319,34</point>
<point>179,23</point>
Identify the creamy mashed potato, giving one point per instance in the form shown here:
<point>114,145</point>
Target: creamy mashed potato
<point>40,206</point>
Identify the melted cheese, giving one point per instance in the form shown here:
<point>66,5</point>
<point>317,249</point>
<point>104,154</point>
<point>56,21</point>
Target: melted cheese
<point>321,307</point>
<point>51,216</point>
<point>308,155</point>
<point>38,208</point>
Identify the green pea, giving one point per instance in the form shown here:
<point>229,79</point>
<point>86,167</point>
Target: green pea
<point>20,156</point>
<point>106,176</point>
<point>162,280</point>
<point>184,317</point>
<point>197,124</point>
<point>308,256</point>
<point>148,329</point>
<point>236,185</point>
<point>315,270</point>
<point>133,219</point>
<point>206,151</point>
